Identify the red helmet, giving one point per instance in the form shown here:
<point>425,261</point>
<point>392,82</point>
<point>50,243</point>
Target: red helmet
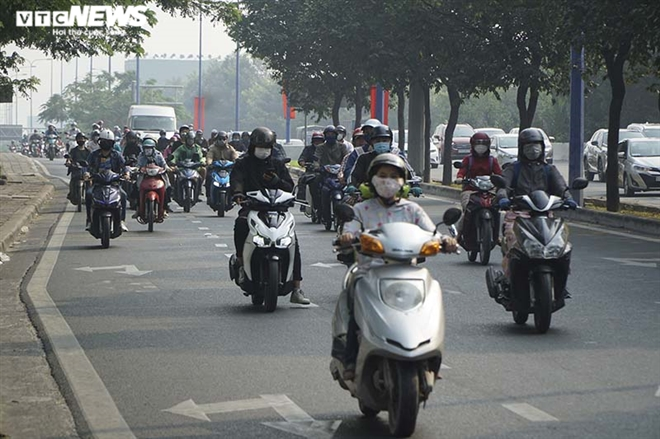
<point>480,138</point>
<point>318,135</point>
<point>357,133</point>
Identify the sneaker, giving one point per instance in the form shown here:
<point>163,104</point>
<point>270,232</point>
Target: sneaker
<point>124,227</point>
<point>297,296</point>
<point>88,225</point>
<point>240,280</point>
<point>165,215</point>
<point>168,209</point>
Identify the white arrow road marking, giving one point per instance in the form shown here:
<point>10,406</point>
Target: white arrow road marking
<point>211,236</point>
<point>322,265</point>
<point>452,292</point>
<point>637,262</point>
<point>444,366</point>
<point>131,270</point>
<point>221,245</point>
<point>192,410</point>
<point>228,255</point>
<point>529,412</point>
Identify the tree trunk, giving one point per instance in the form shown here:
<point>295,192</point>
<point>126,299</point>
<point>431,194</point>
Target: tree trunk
<point>401,114</point>
<point>335,108</point>
<point>359,95</point>
<point>614,62</point>
<point>454,105</point>
<point>526,111</point>
<point>427,133</point>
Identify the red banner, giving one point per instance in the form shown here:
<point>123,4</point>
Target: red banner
<point>285,104</point>
<point>199,118</point>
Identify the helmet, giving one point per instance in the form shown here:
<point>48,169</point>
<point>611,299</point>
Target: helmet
<point>73,124</point>
<point>221,134</point>
<point>190,138</point>
<point>357,132</point>
<point>371,123</point>
<point>162,133</point>
<point>95,134</point>
<point>95,126</point>
<point>199,132</point>
<point>100,122</point>
<point>341,129</point>
<point>148,143</point>
<point>245,134</point>
<point>386,159</point>
<point>107,135</point>
<point>329,129</point>
<point>479,138</point>
<point>176,136</point>
<point>530,135</point>
<point>317,135</point>
<point>381,131</point>
<point>183,128</point>
<point>235,135</point>
<point>262,137</point>
<point>80,136</point>
<point>214,131</point>
<point>106,140</point>
<point>116,127</point>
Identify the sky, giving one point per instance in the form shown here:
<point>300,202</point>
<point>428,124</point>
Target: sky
<point>172,34</point>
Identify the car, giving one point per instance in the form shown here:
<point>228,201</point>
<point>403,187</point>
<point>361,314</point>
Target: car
<point>490,131</point>
<point>435,158</point>
<point>549,151</point>
<point>460,145</point>
<point>647,129</point>
<point>595,152</point>
<point>505,148</point>
<point>639,165</point>
<point>514,130</point>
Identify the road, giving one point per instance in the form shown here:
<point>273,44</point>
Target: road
<point>596,189</point>
<point>174,328</point>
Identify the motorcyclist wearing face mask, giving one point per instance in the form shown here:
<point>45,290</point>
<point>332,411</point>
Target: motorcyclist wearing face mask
<point>106,157</point>
<point>524,176</point>
<point>255,171</point>
<point>386,179</point>
<point>341,138</point>
<point>331,152</point>
<point>80,152</point>
<point>479,162</point>
<point>220,150</point>
<point>150,154</point>
<point>360,147</point>
<point>132,146</point>
<point>236,142</point>
<point>93,142</point>
<point>191,151</point>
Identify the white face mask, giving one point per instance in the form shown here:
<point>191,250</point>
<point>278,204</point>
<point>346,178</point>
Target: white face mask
<point>387,187</point>
<point>262,153</point>
<point>480,149</point>
<point>532,151</point>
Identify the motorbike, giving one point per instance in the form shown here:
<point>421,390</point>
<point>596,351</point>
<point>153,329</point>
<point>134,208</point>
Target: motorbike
<point>269,249</point>
<point>130,186</point>
<point>539,260</point>
<point>51,146</point>
<point>25,150</point>
<point>481,224</point>
<point>106,207</point>
<point>331,195</point>
<point>12,147</point>
<point>187,184</point>
<point>78,169</point>
<point>151,207</point>
<point>398,307</point>
<point>306,201</point>
<point>35,148</point>
<point>219,198</point>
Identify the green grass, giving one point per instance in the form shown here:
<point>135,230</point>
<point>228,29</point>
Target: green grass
<point>640,213</point>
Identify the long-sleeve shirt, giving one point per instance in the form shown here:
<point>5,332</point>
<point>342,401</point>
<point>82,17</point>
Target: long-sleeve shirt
<point>330,154</point>
<point>157,158</point>
<point>113,161</point>
<point>472,167</point>
<point>185,152</point>
<point>534,176</point>
<point>248,172</point>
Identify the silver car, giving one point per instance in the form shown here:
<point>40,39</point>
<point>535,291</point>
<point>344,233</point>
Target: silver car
<point>595,152</point>
<point>505,148</point>
<point>639,165</point>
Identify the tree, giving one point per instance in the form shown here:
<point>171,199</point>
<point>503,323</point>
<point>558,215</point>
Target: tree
<point>54,110</point>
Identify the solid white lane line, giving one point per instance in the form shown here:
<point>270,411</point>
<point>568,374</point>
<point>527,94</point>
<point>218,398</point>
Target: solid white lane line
<point>44,169</point>
<point>529,412</point>
<point>196,222</point>
<point>221,245</point>
<point>99,410</point>
<point>612,232</point>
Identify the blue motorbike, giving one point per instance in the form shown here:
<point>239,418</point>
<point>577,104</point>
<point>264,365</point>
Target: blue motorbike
<point>218,197</point>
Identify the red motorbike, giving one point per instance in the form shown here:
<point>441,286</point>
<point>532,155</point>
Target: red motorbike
<point>151,207</point>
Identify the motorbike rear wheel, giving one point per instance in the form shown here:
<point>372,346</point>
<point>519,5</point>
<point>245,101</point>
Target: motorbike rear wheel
<point>187,199</point>
<point>150,214</point>
<point>257,299</point>
<point>542,288</point>
<point>222,204</point>
<point>404,398</point>
<point>105,231</point>
<point>472,255</point>
<point>272,287</point>
<point>486,242</point>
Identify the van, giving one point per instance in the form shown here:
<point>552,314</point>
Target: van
<point>148,120</point>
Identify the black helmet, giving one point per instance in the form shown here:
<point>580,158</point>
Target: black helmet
<point>262,137</point>
<point>381,131</point>
<point>162,133</point>
<point>190,138</point>
<point>341,129</point>
<point>235,135</point>
<point>245,134</point>
<point>183,128</point>
<point>329,129</point>
<point>530,135</point>
<point>221,134</point>
<point>80,136</point>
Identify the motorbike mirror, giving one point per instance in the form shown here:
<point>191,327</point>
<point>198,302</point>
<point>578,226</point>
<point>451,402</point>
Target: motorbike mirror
<point>287,160</point>
<point>498,181</point>
<point>458,165</point>
<point>66,156</point>
<point>579,183</point>
<point>451,216</point>
<point>345,213</point>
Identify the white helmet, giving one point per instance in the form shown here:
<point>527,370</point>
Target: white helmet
<point>372,123</point>
<point>107,135</point>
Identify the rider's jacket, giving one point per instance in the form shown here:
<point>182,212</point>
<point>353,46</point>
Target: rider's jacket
<point>186,152</point>
<point>157,158</point>
<point>524,177</point>
<point>248,175</point>
<point>113,161</point>
<point>221,152</point>
<point>330,154</point>
<point>473,166</point>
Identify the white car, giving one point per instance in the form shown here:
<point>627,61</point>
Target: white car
<point>549,155</point>
<point>434,158</point>
<point>490,131</point>
<point>505,148</point>
<point>639,165</point>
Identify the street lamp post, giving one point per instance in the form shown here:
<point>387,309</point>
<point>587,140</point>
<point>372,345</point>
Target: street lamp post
<point>51,83</point>
<point>199,79</point>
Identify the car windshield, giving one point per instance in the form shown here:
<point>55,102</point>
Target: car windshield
<point>463,131</point>
<point>153,123</point>
<point>508,142</point>
<point>492,132</point>
<point>623,135</point>
<point>645,149</point>
<point>652,132</point>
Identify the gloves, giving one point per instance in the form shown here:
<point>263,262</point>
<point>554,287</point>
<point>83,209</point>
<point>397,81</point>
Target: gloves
<point>350,189</point>
<point>238,197</point>
<point>504,203</point>
<point>271,178</point>
<point>416,191</point>
<point>571,204</point>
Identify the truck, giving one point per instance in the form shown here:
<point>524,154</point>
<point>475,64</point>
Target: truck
<point>148,120</point>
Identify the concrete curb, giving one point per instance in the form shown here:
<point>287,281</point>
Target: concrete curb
<point>12,229</point>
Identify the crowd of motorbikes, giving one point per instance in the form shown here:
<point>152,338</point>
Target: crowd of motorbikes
<point>49,146</point>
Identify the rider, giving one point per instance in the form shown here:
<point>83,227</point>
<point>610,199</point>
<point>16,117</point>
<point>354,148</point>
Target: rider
<point>368,128</point>
<point>76,155</point>
<point>213,138</point>
<point>341,138</point>
<point>220,150</point>
<point>236,142</point>
<point>177,142</point>
<point>330,152</point>
<point>132,146</point>
<point>191,151</point>
<point>72,134</point>
<point>254,171</point>
<point>479,162</point>
<point>386,179</point>
<point>150,154</point>
<point>360,147</point>
<point>526,175</point>
<point>245,140</point>
<point>306,160</point>
<point>52,130</point>
<point>93,142</point>
<point>278,150</point>
<point>200,140</point>
<point>35,137</point>
<point>163,141</point>
<point>99,158</point>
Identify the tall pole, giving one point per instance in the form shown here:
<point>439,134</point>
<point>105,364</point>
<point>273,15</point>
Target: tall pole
<point>31,113</point>
<point>137,79</point>
<point>52,61</point>
<point>61,76</point>
<point>576,131</point>
<point>199,76</point>
<point>76,81</point>
<point>91,66</point>
<point>109,72</point>
<point>237,86</point>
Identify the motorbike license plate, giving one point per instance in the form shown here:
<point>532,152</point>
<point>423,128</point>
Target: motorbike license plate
<point>222,173</point>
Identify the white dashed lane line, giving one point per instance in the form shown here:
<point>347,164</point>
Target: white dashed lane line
<point>221,245</point>
<point>529,412</point>
<point>203,228</point>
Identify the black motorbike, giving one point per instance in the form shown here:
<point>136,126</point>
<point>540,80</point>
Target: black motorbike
<point>304,196</point>
<point>130,185</point>
<point>187,186</point>
<point>331,195</point>
<point>79,184</point>
<point>539,260</point>
<point>106,207</point>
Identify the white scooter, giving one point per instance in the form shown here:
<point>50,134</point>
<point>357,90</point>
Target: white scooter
<point>398,307</point>
<point>269,249</point>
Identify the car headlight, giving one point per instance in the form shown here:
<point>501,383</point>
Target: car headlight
<point>402,294</point>
<point>261,241</point>
<point>639,168</point>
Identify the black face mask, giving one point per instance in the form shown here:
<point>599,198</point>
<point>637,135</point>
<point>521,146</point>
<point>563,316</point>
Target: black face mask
<point>81,143</point>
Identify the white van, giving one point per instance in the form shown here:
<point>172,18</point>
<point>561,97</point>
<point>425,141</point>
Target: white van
<point>148,120</point>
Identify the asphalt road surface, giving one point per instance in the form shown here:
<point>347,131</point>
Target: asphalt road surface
<point>163,327</point>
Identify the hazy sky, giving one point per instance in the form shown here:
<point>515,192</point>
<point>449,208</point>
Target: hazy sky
<point>172,34</point>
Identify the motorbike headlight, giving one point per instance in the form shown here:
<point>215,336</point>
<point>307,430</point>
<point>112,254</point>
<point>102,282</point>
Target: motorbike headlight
<point>261,241</point>
<point>556,246</point>
<point>402,294</point>
<point>284,242</point>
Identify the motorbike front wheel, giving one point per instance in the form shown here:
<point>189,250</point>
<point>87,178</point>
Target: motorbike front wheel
<point>150,214</point>
<point>187,199</point>
<point>273,285</point>
<point>404,398</point>
<point>81,196</point>
<point>542,288</point>
<point>486,242</point>
<point>222,204</point>
<point>106,222</point>
<point>368,412</point>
